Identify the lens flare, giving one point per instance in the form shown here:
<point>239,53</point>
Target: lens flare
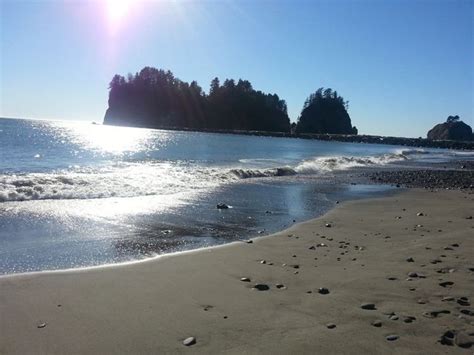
<point>117,10</point>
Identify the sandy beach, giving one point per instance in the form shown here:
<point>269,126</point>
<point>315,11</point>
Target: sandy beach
<point>409,256</point>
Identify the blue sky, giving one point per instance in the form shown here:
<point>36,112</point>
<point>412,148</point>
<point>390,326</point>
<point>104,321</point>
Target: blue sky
<point>404,65</point>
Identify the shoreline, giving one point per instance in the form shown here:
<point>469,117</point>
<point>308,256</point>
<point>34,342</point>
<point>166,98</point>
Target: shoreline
<point>154,304</point>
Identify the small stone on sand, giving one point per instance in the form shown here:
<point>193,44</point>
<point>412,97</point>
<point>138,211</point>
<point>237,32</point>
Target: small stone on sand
<point>323,290</point>
<point>392,337</point>
<point>189,341</point>
<point>41,325</point>
<point>368,306</point>
<point>244,279</point>
<point>376,323</point>
<point>410,260</point>
<point>261,287</point>
<point>330,325</point>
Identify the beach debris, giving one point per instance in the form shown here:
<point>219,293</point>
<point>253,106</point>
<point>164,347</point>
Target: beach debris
<point>250,241</point>
<point>261,287</point>
<point>323,291</point>
<point>392,278</point>
<point>416,274</point>
<point>41,325</point>
<point>330,326</point>
<point>420,214</point>
<point>392,337</point>
<point>263,261</point>
<point>376,323</point>
<point>244,279</point>
<point>280,286</point>
<point>446,283</point>
<point>295,266</point>
<point>410,260</point>
<point>368,306</point>
<point>328,225</point>
<point>222,206</point>
<point>189,341</point>
<point>312,247</point>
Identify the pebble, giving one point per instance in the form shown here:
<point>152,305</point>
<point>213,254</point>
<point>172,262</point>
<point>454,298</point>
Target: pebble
<point>464,340</point>
<point>368,306</point>
<point>376,323</point>
<point>448,338</point>
<point>245,279</point>
<point>394,317</point>
<point>249,241</point>
<point>435,314</point>
<point>280,286</point>
<point>411,260</point>
<point>323,290</point>
<point>189,341</point>
<point>261,287</point>
<point>392,337</point>
<point>328,225</point>
<point>447,299</point>
<point>330,325</point>
<point>41,325</point>
<point>419,214</point>
<point>446,283</point>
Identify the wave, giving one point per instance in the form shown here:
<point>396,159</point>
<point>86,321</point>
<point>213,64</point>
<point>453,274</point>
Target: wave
<point>162,178</point>
<point>342,162</point>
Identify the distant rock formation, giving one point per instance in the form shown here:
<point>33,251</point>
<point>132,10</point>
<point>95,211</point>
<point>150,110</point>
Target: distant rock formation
<point>155,98</point>
<point>452,129</point>
<point>325,112</point>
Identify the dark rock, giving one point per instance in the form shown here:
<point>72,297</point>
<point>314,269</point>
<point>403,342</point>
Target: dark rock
<point>376,323</point>
<point>451,130</point>
<point>446,283</point>
<point>368,306</point>
<point>392,337</point>
<point>330,325</point>
<point>448,337</point>
<point>261,287</point>
<point>410,260</point>
<point>41,325</point>
<point>323,290</point>
<point>244,279</point>
<point>464,340</point>
<point>435,314</point>
<point>222,206</point>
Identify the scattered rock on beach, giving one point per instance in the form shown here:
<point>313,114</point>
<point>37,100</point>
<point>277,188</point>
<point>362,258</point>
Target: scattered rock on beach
<point>261,287</point>
<point>323,291</point>
<point>222,206</point>
<point>41,325</point>
<point>376,323</point>
<point>328,225</point>
<point>435,314</point>
<point>189,341</point>
<point>330,325</point>
<point>410,260</point>
<point>245,279</point>
<point>392,337</point>
<point>446,283</point>
<point>368,306</point>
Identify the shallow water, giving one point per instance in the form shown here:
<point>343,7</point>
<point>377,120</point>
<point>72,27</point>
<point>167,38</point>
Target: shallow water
<point>77,194</point>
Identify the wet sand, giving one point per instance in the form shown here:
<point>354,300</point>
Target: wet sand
<point>361,252</point>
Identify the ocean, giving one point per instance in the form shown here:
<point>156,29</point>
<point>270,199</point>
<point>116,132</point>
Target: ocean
<point>75,194</point>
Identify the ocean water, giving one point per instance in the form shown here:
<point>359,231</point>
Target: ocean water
<point>78,195</point>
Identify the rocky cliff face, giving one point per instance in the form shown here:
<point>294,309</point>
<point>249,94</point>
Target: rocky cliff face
<point>458,131</point>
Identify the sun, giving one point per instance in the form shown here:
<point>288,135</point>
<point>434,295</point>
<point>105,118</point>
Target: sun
<point>117,10</point>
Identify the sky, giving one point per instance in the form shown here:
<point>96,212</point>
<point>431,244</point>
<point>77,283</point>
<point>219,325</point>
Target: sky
<point>403,65</point>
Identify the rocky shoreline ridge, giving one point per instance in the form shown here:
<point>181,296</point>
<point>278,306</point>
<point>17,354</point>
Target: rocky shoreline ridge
<point>350,138</point>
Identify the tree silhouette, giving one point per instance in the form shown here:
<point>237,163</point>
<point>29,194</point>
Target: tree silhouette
<point>324,111</point>
<point>452,118</point>
<point>155,98</point>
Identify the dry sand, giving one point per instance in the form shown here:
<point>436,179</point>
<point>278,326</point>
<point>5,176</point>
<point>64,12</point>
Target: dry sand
<point>151,307</point>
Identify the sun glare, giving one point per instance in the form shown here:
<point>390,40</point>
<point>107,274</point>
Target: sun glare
<point>117,10</point>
